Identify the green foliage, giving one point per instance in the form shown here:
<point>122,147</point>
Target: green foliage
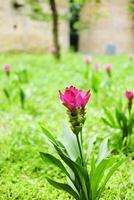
<point>7,93</point>
<point>22,97</point>
<point>83,186</point>
<point>123,120</point>
<point>95,81</point>
<point>22,171</point>
<point>91,76</point>
<point>83,2</point>
<point>15,86</point>
<point>37,11</point>
<point>131,8</point>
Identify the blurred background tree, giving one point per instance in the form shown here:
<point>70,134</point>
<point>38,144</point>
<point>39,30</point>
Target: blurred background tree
<point>131,8</point>
<point>38,12</point>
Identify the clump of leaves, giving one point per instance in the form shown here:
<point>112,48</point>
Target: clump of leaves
<point>82,183</point>
<point>121,120</point>
<point>72,161</point>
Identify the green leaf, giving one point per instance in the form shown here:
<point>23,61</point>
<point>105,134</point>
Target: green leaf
<point>65,187</point>
<point>52,160</point>
<point>110,173</point>
<point>95,81</point>
<point>122,121</point>
<point>22,97</point>
<point>119,116</point>
<point>92,168</point>
<point>49,135</point>
<point>67,160</point>
<point>131,124</point>
<point>81,174</point>
<point>70,143</point>
<point>103,152</point>
<point>107,122</point>
<point>90,145</point>
<point>70,182</point>
<point>7,94</point>
<point>98,174</point>
<point>109,116</point>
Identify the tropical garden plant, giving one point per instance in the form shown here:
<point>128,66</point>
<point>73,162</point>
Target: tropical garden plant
<point>86,174</point>
<point>91,74</point>
<point>14,87</point>
<point>123,120</point>
<point>108,69</point>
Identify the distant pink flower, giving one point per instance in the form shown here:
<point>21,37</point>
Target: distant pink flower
<point>53,50</point>
<point>87,59</point>
<point>6,67</point>
<point>96,66</point>
<point>108,67</point>
<point>74,99</point>
<point>129,95</point>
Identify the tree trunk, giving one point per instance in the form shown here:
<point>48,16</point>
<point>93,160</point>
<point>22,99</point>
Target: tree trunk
<point>55,28</point>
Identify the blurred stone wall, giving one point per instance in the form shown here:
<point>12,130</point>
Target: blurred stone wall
<point>108,24</point>
<point>19,32</point>
<point>102,25</point>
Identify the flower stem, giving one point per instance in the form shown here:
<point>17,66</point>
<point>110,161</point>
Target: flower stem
<point>80,149</point>
<point>81,139</point>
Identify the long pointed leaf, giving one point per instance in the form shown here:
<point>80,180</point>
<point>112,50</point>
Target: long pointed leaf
<point>81,174</point>
<point>109,116</point>
<point>90,146</point>
<point>51,159</point>
<point>65,187</point>
<point>70,143</point>
<point>49,135</point>
<point>103,151</point>
<point>107,122</point>
<point>92,168</point>
<point>110,173</point>
<point>98,174</point>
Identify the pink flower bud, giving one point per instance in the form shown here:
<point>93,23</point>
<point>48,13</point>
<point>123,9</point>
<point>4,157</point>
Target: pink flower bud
<point>74,99</point>
<point>87,59</point>
<point>108,67</point>
<point>53,50</point>
<point>129,95</point>
<point>6,67</point>
<point>96,66</point>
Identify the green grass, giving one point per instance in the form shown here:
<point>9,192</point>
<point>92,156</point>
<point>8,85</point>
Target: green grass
<point>22,172</point>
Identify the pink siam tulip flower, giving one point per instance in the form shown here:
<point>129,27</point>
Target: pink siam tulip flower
<point>108,67</point>
<point>6,67</point>
<point>129,95</point>
<point>53,50</point>
<point>74,99</point>
<point>96,66</point>
<point>87,59</point>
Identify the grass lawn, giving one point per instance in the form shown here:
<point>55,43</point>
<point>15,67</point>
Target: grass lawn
<point>22,171</point>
